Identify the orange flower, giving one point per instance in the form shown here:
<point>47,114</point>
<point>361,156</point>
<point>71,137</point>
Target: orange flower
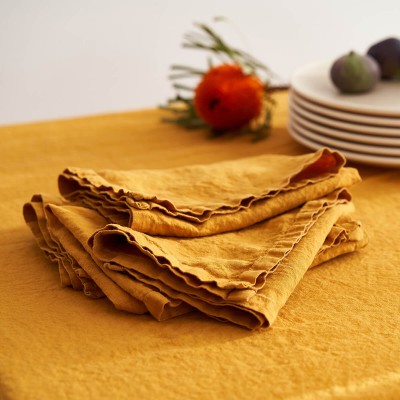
<point>227,98</point>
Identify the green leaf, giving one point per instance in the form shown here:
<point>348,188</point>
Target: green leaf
<point>182,87</point>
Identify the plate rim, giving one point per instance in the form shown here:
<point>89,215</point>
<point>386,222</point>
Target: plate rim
<point>362,148</point>
<point>351,117</point>
<point>350,156</point>
<point>356,137</point>
<point>368,130</point>
<point>336,134</point>
<point>360,109</point>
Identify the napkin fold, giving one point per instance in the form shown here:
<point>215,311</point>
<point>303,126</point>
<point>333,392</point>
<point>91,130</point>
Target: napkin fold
<point>202,200</point>
<point>230,239</point>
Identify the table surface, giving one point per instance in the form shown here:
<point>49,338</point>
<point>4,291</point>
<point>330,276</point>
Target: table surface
<point>337,336</point>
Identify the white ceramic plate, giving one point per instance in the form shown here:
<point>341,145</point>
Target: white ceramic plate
<point>343,115</point>
<point>313,82</point>
<point>345,145</point>
<point>350,155</point>
<point>347,126</point>
<point>344,135</point>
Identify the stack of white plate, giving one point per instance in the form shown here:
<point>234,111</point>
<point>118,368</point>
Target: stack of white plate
<point>364,127</point>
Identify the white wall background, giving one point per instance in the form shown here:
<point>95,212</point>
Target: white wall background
<point>62,58</point>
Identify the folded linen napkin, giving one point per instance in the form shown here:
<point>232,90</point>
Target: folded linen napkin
<point>202,200</point>
<point>242,270</point>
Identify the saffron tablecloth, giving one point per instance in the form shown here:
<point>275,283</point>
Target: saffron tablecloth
<point>337,336</point>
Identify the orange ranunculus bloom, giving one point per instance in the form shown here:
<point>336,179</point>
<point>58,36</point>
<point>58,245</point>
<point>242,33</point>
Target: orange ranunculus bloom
<point>227,98</point>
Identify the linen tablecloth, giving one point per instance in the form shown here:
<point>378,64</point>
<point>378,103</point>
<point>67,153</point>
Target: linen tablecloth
<point>337,336</point>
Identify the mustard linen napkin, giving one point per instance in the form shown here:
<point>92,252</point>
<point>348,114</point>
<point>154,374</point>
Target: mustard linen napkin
<point>62,230</point>
<point>240,275</point>
<point>202,200</point>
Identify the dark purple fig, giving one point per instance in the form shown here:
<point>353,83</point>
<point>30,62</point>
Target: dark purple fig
<point>387,54</point>
<point>355,73</point>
